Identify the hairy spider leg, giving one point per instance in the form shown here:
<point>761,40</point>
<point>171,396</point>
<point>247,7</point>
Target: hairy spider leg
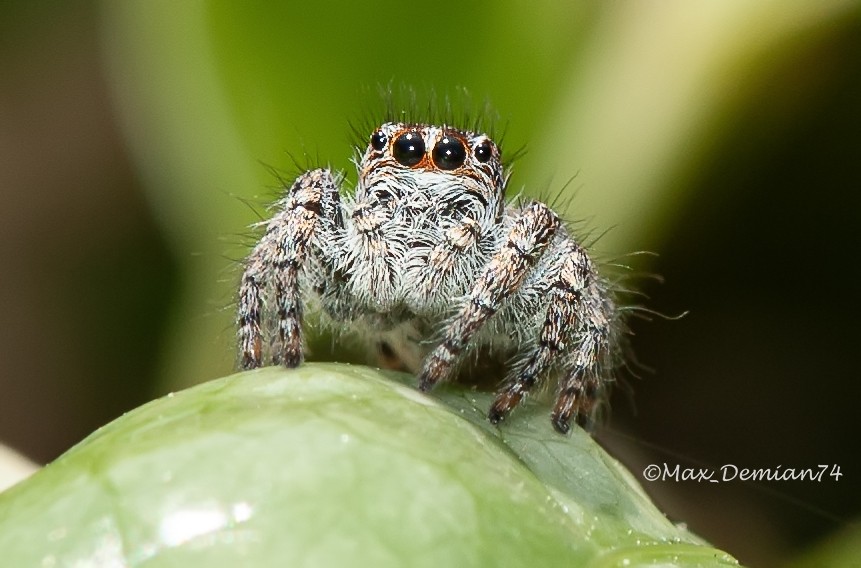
<point>529,237</point>
<point>573,270</point>
<point>579,392</point>
<point>307,215</point>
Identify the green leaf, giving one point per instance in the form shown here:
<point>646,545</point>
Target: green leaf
<point>336,465</point>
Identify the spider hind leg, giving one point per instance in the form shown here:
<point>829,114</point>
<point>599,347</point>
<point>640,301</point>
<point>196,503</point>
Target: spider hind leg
<point>573,339</point>
<point>309,213</point>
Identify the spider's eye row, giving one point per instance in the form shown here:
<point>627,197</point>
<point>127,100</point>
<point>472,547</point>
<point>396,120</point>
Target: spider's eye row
<point>483,152</point>
<point>378,140</point>
<point>449,153</point>
<point>409,149</point>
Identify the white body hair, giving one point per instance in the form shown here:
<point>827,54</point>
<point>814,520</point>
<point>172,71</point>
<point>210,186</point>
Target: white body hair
<point>428,262</point>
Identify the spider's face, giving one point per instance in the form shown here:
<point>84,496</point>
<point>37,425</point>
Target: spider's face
<point>420,156</point>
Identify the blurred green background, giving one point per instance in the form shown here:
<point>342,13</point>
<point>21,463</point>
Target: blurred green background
<point>724,135</point>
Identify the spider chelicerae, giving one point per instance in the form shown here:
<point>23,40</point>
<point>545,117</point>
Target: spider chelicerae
<point>430,261</point>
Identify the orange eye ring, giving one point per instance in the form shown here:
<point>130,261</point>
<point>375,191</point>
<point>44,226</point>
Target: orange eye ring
<point>409,148</point>
<point>449,153</point>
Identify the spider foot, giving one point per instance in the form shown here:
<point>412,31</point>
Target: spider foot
<point>437,368</point>
<point>560,423</point>
<point>506,401</point>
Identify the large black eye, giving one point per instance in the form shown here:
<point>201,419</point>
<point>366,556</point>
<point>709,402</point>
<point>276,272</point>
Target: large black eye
<point>483,152</point>
<point>409,148</point>
<point>449,153</point>
<point>378,140</point>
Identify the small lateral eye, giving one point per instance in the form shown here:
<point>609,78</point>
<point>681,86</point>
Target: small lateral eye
<point>378,140</point>
<point>409,148</point>
<point>449,153</point>
<point>483,152</point>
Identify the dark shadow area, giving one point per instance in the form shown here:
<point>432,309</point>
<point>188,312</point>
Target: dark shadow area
<point>87,279</point>
<point>763,372</point>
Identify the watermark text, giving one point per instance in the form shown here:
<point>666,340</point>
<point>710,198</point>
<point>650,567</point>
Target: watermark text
<point>730,472</point>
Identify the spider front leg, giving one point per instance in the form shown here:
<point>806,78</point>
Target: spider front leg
<point>309,213</point>
<point>526,242</point>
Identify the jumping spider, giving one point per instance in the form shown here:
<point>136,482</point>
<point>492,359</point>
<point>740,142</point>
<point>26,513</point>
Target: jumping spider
<point>429,258</point>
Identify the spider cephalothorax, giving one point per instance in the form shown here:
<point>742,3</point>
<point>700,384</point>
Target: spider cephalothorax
<point>431,262</point>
